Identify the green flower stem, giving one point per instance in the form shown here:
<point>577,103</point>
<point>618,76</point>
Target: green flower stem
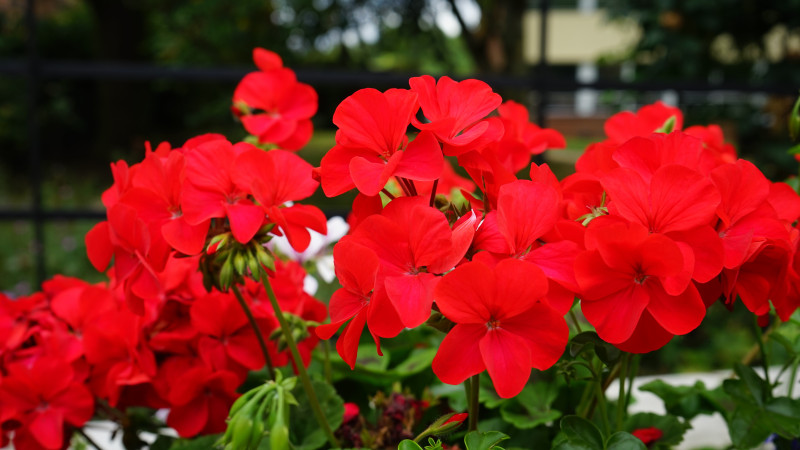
<point>587,400</point>
<point>326,365</point>
<point>601,403</point>
<point>261,342</point>
<point>88,439</point>
<point>621,404</point>
<point>762,349</point>
<point>474,401</point>
<point>298,363</point>
<point>793,376</point>
<point>575,321</point>
<point>633,370</point>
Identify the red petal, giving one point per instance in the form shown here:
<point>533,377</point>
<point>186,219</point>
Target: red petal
<point>412,296</point>
<point>459,355</point>
<point>545,330</point>
<point>266,60</point>
<point>615,316</point>
<point>519,280</point>
<point>246,219</point>
<point>678,314</point>
<point>464,294</point>
<point>347,344</point>
<point>422,159</point>
<point>98,246</point>
<point>189,419</point>
<point>47,427</point>
<point>185,238</point>
<point>526,210</point>
<point>508,361</point>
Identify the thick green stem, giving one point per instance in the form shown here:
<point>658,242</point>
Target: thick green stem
<point>621,405</point>
<point>474,401</point>
<point>762,349</point>
<point>793,376</point>
<point>633,370</point>
<point>601,402</point>
<point>88,439</point>
<point>326,352</point>
<point>261,342</point>
<point>575,321</point>
<point>298,363</point>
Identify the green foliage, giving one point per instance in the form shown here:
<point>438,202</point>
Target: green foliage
<point>580,434</point>
<point>590,340</point>
<point>672,427</point>
<point>477,440</point>
<point>198,443</point>
<point>304,431</point>
<point>757,414</point>
<point>532,407</point>
<point>687,401</point>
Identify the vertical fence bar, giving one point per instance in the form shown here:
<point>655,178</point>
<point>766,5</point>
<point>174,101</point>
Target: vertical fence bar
<point>33,70</point>
<point>542,69</point>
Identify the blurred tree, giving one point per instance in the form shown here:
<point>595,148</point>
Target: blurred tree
<point>721,40</point>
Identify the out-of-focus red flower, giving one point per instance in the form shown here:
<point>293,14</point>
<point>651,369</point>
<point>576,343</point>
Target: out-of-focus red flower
<point>648,435</point>
<point>273,105</point>
<point>45,396</point>
<point>372,146</point>
<point>456,112</point>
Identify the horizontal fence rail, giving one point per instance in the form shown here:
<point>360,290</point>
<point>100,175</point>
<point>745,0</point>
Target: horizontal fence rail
<point>111,71</point>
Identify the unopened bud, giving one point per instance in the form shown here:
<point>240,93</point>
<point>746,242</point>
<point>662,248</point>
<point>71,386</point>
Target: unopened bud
<point>226,275</point>
<point>239,262</point>
<point>443,425</point>
<point>668,126</point>
<point>794,121</point>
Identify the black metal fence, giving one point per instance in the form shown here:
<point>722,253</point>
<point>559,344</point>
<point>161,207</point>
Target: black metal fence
<point>36,70</point>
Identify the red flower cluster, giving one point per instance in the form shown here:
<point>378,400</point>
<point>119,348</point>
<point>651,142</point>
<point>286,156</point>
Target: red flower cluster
<point>684,223</point>
<point>168,202</point>
<point>655,225</point>
<point>408,257</point>
<point>75,343</point>
<point>158,334</point>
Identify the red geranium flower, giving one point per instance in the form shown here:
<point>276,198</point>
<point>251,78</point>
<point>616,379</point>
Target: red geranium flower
<point>501,325</point>
<point>628,273</point>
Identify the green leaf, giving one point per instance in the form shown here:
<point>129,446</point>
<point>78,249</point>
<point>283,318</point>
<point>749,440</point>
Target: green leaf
<point>198,443</point>
<point>749,389</point>
<point>622,440</point>
<point>785,343</point>
<point>672,427</point>
<point>581,433</point>
<point>369,359</point>
<point>162,442</point>
<point>783,413</point>
<point>589,339</point>
<point>478,440</point>
<point>532,406</point>
<point>408,444</point>
<point>488,395</point>
<point>686,401</point>
<point>757,415</point>
<point>420,359</point>
<point>746,428</point>
<point>304,431</point>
